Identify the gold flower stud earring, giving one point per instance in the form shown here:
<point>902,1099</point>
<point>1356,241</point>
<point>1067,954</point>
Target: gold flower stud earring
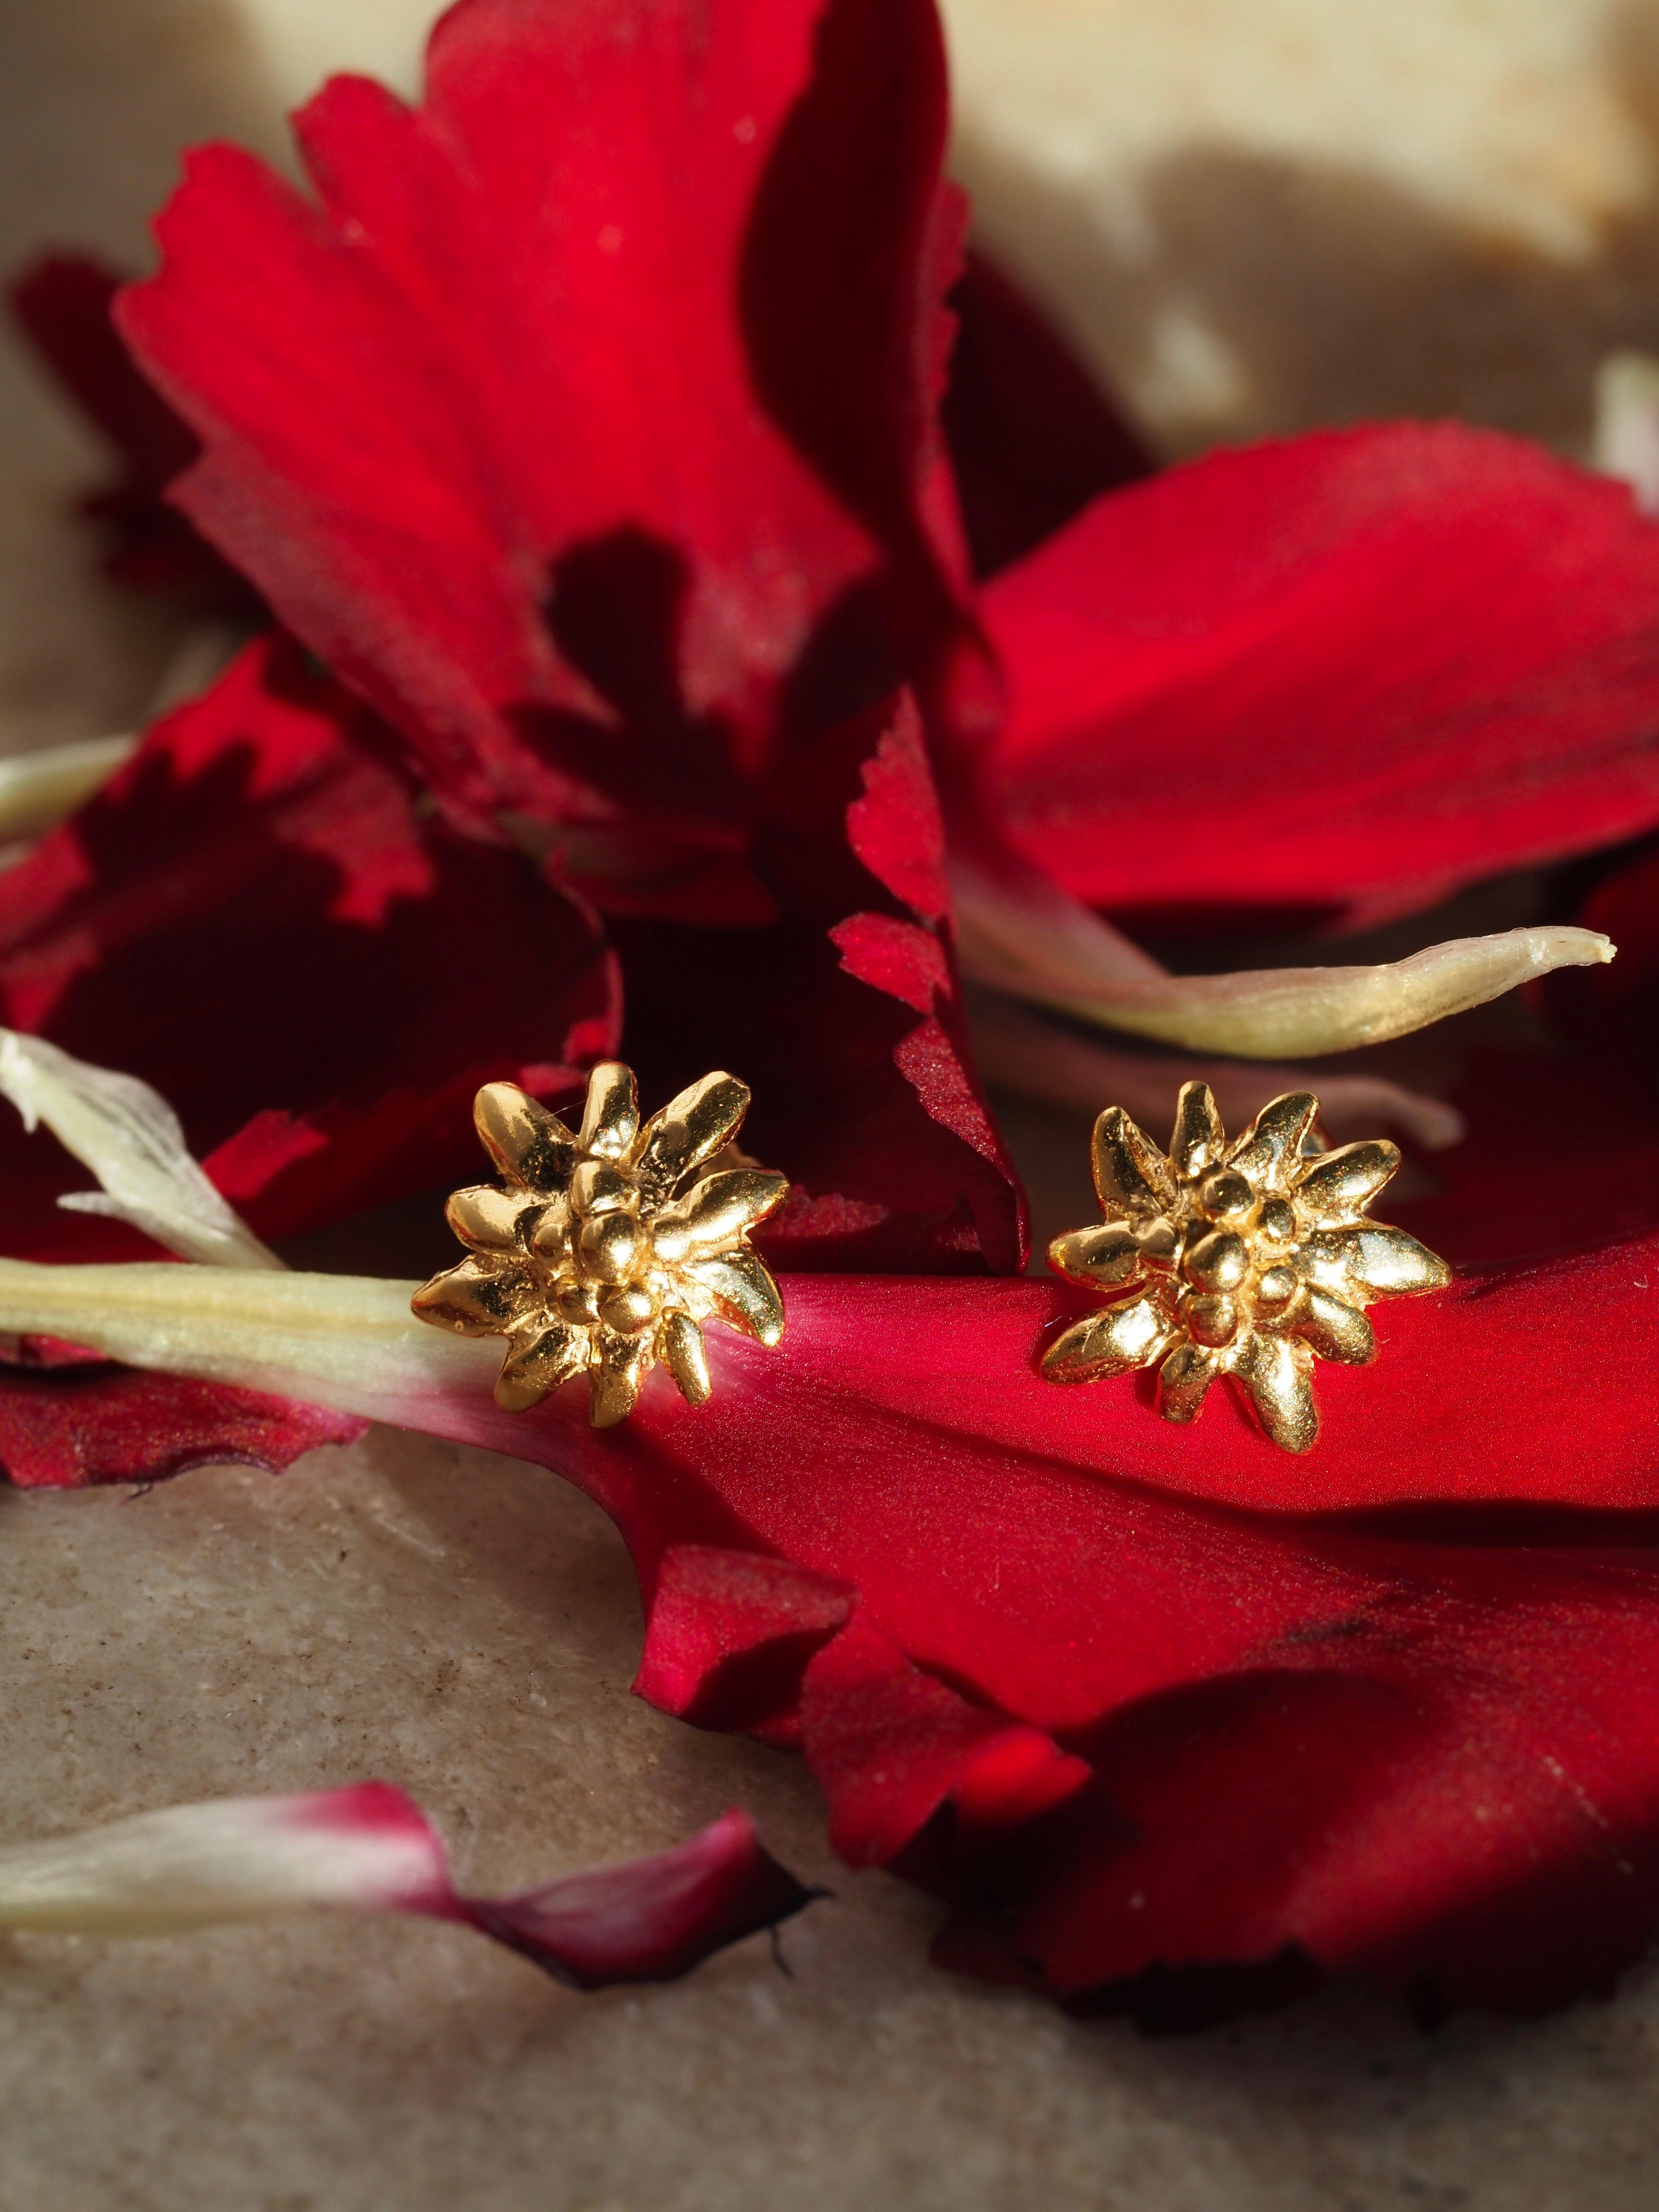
<point>603,1251</point>
<point>1244,1260</point>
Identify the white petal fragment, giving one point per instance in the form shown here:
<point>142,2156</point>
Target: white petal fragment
<point>130,1137</point>
<point>349,1341</point>
<point>1626,433</point>
<point>368,1848</point>
<point>1055,952</point>
<point>38,790</point>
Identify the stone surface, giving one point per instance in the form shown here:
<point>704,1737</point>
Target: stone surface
<point>467,1627</point>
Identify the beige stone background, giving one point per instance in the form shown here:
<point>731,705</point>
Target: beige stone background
<point>1254,214</point>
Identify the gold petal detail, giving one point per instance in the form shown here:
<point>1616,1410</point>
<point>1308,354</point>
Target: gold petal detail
<point>1335,1329</point>
<point>745,1297</point>
<point>480,1298</point>
<point>1131,1176</point>
<point>1269,1152</point>
<point>1183,1380</point>
<point>1115,1341</point>
<point>1277,1373</point>
<point>1381,1261</point>
<point>539,1361</point>
<point>487,1219</point>
<point>689,1130</point>
<point>622,1362</point>
<point>611,1119</point>
<point>524,1139</point>
<point>1108,1254</point>
<point>717,1212</point>
<point>1199,1140</point>
<point>1343,1184</point>
<point>685,1356</point>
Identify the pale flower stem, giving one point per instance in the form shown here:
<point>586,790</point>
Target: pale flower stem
<point>347,1341</point>
<point>1027,937</point>
<point>1022,1052</point>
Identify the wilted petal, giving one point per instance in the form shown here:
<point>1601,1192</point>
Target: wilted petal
<point>524,1139</point>
<point>1113,1341</point>
<point>485,1217</point>
<point>129,1137</point>
<point>1131,1176</point>
<point>1278,1372</point>
<point>366,1849</point>
<point>1334,1329</point>
<point>717,1212</point>
<point>1183,1380</point>
<point>1023,1050</point>
<point>684,1354</point>
<point>689,1130</point>
<point>1269,1153</point>
<point>1346,1181</point>
<point>542,1358</point>
<point>649,1919</point>
<point>479,1297</point>
<point>743,1292</point>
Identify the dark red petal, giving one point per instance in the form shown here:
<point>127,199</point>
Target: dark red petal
<point>650,1919</point>
<point>66,1425</point>
<point>253,918</point>
<point>1348,672</point>
<point>63,303</point>
<point>1032,437</point>
<point>578,593</point>
<point>1415,1740</point>
<point>844,1020</point>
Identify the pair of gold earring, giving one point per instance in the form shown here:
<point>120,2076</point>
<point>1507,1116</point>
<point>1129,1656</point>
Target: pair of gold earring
<point>605,1249</point>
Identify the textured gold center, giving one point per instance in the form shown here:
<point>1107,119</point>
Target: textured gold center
<point>604,1250</point>
<point>1247,1260</point>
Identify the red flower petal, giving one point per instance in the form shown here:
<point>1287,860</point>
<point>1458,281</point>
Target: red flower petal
<point>63,303</point>
<point>66,1424</point>
<point>649,1919</point>
<point>1418,1742</point>
<point>485,425</point>
<point>844,1018</point>
<point>1032,437</point>
<point>253,918</point>
<point>1354,670</point>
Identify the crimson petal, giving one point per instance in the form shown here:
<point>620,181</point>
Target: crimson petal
<point>253,918</point>
<point>65,1423</point>
<point>1357,670</point>
<point>649,1919</point>
<point>385,383</point>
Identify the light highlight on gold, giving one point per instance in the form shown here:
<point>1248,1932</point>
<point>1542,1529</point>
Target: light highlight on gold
<point>603,1251</point>
<point>1247,1260</point>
